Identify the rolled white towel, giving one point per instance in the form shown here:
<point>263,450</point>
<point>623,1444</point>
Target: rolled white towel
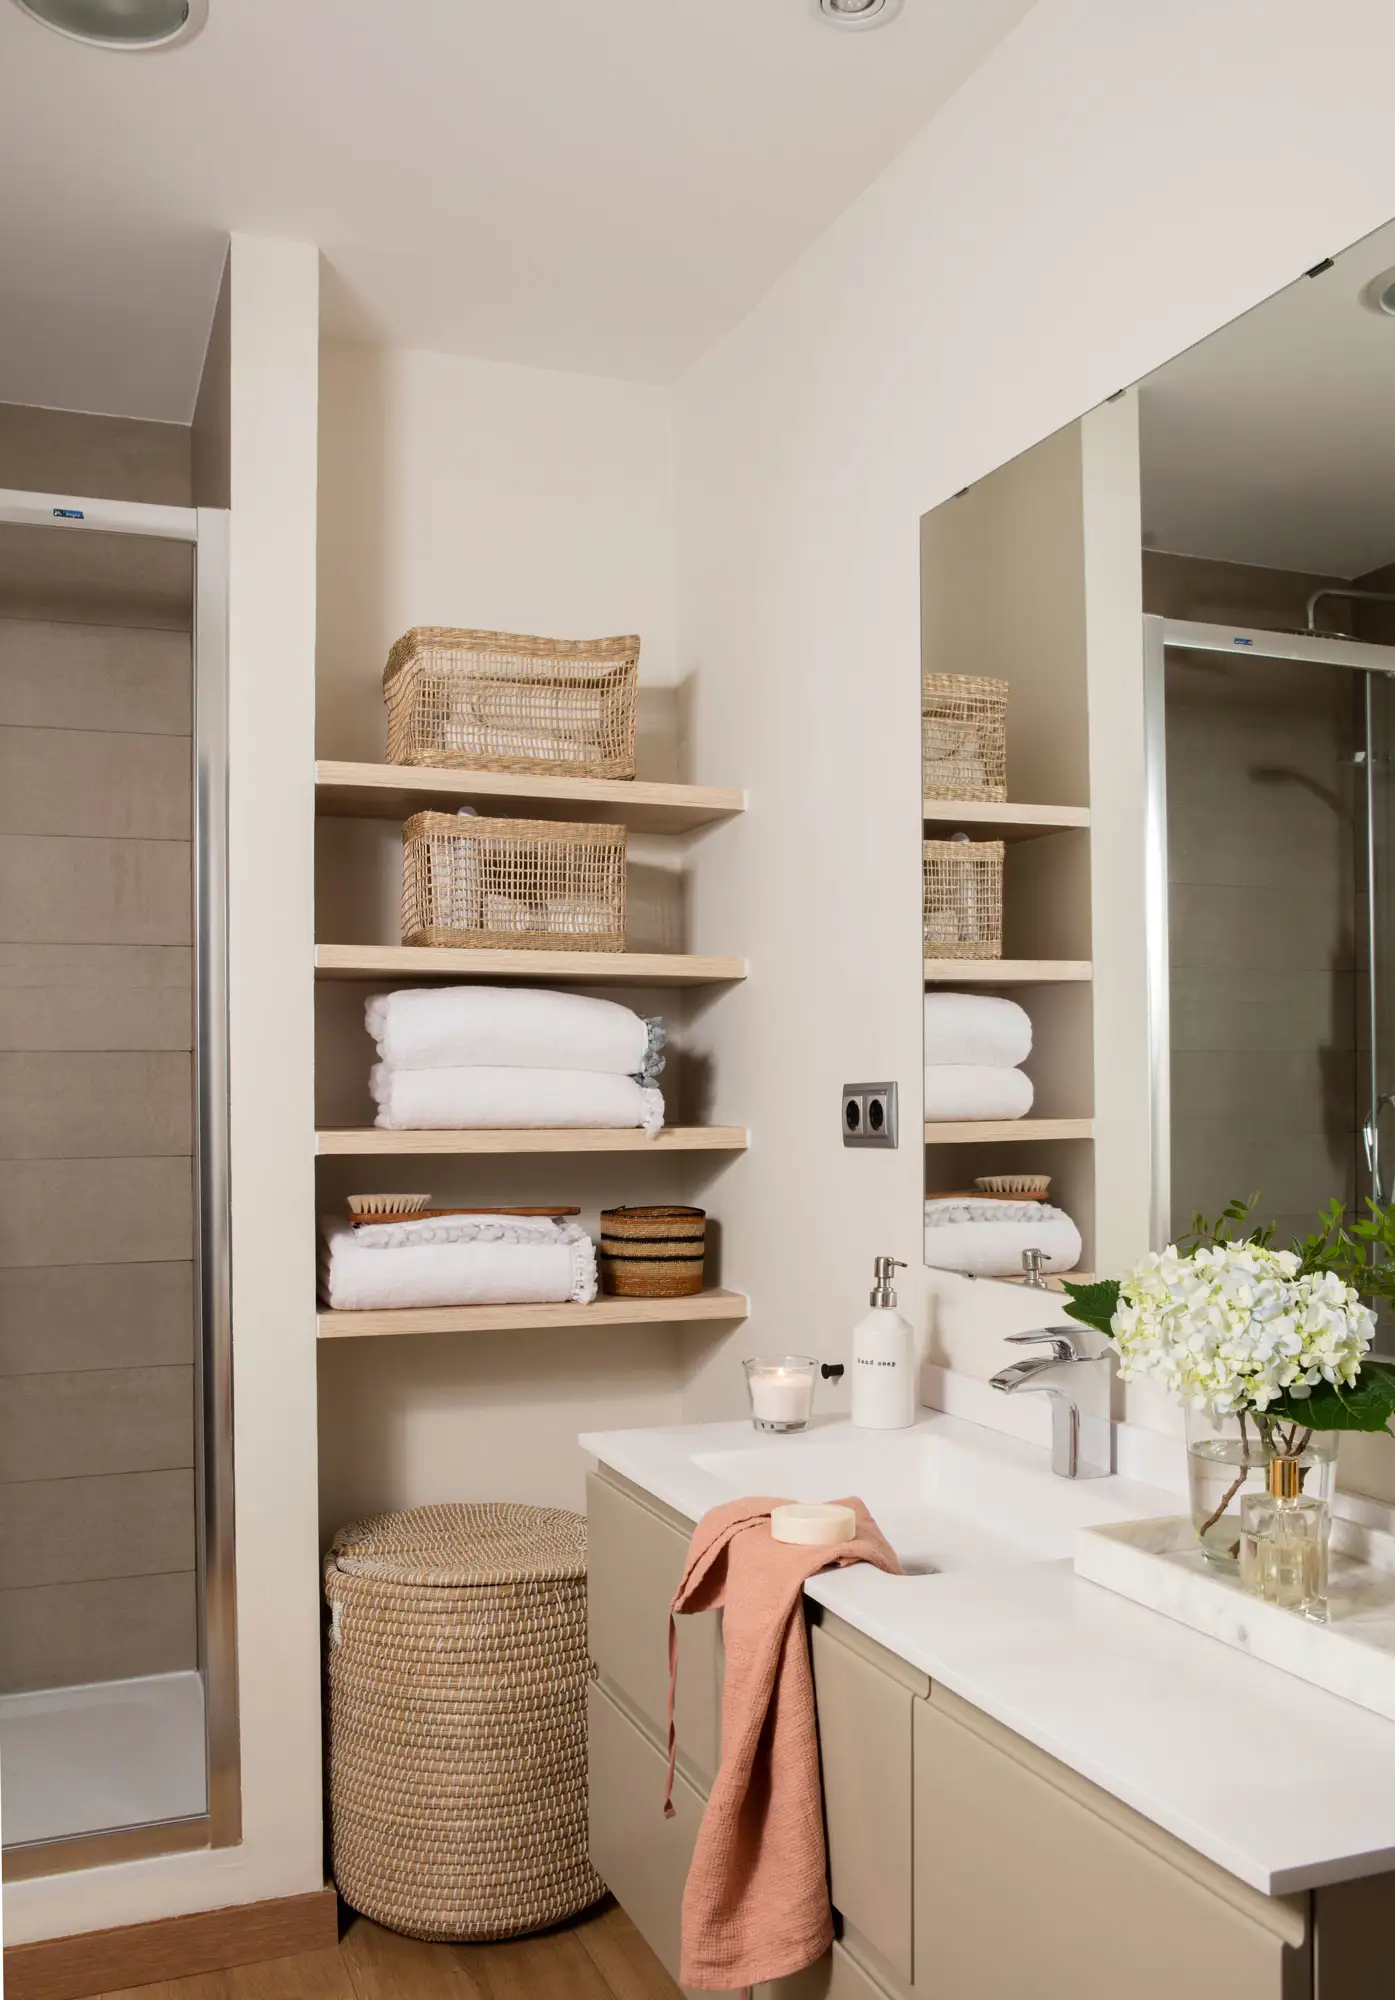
<point>975,1090</point>
<point>489,1099</point>
<point>512,1027</point>
<point>987,1238</point>
<point>355,1277</point>
<point>976,1028</point>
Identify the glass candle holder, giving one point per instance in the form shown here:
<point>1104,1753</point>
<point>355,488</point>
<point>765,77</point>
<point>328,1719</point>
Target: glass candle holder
<point>781,1389</point>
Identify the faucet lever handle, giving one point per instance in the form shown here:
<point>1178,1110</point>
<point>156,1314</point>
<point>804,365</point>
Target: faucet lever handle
<point>1065,1343</point>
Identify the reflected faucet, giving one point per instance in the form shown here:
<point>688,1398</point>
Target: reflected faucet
<point>1080,1385</point>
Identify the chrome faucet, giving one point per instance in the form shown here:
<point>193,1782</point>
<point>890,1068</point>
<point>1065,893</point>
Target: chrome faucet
<point>1079,1383</point>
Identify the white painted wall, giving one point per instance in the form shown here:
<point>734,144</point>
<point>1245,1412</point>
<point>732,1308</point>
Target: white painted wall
<point>274,360</point>
<point>1115,182</point>
<point>458,492</point>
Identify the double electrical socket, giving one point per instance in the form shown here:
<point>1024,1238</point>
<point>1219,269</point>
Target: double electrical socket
<point>869,1114</point>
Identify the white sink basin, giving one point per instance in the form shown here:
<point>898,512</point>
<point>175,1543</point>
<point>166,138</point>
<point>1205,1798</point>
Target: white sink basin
<point>947,1495</point>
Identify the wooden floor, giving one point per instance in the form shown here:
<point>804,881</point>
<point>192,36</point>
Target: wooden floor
<point>600,1957</point>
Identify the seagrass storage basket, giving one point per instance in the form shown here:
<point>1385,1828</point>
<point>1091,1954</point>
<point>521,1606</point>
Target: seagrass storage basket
<point>963,898</point>
<point>652,1253</point>
<point>963,728</point>
<point>457,1675</point>
<point>513,884</point>
<point>500,701</point>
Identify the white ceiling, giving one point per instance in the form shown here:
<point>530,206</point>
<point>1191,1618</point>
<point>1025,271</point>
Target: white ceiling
<point>1273,442</point>
<point>598,185</point>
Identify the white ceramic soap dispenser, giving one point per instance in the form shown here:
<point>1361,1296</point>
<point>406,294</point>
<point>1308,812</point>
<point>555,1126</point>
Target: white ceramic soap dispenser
<point>884,1359</point>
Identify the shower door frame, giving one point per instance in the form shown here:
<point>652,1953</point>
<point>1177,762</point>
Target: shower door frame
<point>1317,649</point>
<point>205,529</point>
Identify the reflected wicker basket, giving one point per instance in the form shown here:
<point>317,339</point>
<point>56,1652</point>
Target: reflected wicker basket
<point>963,726</point>
<point>502,701</point>
<point>513,884</point>
<point>652,1253</point>
<point>963,898</point>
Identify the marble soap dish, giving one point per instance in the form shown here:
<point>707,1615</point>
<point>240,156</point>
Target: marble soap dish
<point>1158,1564</point>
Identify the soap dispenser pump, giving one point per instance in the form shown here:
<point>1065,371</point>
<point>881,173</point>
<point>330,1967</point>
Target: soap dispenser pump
<point>884,1388</point>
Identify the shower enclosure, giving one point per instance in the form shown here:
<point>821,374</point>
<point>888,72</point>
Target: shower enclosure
<point>118,1698</point>
<point>1271,854</point>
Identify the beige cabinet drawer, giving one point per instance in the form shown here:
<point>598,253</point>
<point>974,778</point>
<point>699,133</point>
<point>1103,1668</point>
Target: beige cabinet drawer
<point>1030,1881</point>
<point>635,1562</point>
<point>837,1977</point>
<point>865,1748</point>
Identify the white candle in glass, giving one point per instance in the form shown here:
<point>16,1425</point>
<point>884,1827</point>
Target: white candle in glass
<point>781,1395</point>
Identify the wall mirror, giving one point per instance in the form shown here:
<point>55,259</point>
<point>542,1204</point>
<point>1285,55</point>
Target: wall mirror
<point>1158,720</point>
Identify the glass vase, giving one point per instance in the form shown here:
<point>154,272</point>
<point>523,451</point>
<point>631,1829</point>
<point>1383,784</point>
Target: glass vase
<point>1228,1457</point>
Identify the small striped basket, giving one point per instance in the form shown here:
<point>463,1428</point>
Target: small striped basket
<point>652,1253</point>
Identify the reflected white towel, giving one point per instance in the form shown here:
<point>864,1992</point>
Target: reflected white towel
<point>511,1027</point>
<point>975,1090</point>
<point>976,1028</point>
<point>453,1100</point>
<point>358,1278</point>
<point>987,1238</point>
<point>414,1230</point>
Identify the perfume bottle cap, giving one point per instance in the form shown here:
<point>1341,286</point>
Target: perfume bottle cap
<point>1285,1478</point>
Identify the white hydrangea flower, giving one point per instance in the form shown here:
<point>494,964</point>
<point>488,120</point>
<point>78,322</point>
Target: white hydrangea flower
<point>1233,1327</point>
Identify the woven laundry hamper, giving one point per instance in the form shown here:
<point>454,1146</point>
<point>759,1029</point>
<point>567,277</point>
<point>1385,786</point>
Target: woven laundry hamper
<point>457,1719</point>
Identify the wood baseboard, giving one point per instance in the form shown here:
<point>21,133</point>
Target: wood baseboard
<point>73,1968</point>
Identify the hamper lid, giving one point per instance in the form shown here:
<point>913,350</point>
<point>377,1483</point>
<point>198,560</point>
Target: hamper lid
<point>471,1542</point>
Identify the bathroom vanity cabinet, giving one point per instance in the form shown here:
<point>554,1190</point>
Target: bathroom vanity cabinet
<point>964,1863</point>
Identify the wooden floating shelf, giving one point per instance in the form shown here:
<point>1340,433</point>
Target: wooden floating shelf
<point>538,968</point>
<point>711,1305</point>
<point>999,1131</point>
<point>396,791</point>
<point>1004,822</point>
<point>1003,971</point>
<point>369,1140</point>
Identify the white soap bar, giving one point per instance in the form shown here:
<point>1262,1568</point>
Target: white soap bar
<point>811,1525</point>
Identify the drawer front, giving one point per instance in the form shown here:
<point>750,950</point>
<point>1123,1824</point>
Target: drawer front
<point>1022,1888</point>
<point>836,1977</point>
<point>865,1747</point>
<point>634,1564</point>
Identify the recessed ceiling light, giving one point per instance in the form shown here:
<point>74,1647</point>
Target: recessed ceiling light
<point>130,25</point>
<point>1379,295</point>
<point>857,13</point>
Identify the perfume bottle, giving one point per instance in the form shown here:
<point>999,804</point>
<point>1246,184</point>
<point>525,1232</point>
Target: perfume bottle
<point>1283,1543</point>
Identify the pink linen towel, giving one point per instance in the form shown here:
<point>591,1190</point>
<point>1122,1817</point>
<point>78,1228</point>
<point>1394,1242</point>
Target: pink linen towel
<point>756,1903</point>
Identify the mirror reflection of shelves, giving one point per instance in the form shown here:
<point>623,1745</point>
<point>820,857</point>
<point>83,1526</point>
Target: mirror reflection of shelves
<point>984,821</point>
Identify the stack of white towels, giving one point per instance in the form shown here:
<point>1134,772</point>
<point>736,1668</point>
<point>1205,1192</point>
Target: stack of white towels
<point>502,1057</point>
<point>973,1045</point>
<point>454,1260</point>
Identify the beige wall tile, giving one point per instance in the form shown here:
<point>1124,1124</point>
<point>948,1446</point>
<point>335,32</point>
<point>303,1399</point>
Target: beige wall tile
<point>63,1634</point>
<point>94,457</point>
<point>94,891</point>
<point>95,1212</point>
<point>64,1017</point>
<point>79,1316</point>
<point>1266,1093</point>
<point>107,966</point>
<point>1219,592</point>
<point>1218,926</point>
<point>82,1530</point>
<point>93,677</point>
<point>96,1421</point>
<point>95,782</point>
<point>1236,1007</point>
<point>81,1105</point>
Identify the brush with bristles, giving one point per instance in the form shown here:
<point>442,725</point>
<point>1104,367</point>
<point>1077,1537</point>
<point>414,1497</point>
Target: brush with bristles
<point>1034,1184</point>
<point>365,1207</point>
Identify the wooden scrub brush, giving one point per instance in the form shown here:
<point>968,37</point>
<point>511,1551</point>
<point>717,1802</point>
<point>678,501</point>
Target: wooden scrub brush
<point>368,1207</point>
<point>1036,1186</point>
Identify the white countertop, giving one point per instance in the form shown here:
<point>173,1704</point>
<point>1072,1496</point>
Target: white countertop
<point>1283,1785</point>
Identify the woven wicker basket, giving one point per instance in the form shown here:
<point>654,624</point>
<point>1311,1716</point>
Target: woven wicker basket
<point>963,724</point>
<point>457,1719</point>
<point>513,884</point>
<point>500,701</point>
<point>963,898</point>
<point>652,1253</point>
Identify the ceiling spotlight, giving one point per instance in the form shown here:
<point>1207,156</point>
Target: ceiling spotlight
<point>1379,295</point>
<point>134,26</point>
<point>857,13</point>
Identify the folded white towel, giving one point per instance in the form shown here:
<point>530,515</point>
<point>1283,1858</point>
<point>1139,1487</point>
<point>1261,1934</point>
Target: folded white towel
<point>976,1028</point>
<point>511,1027</point>
<point>453,1100</point>
<point>413,1230</point>
<point>976,1090</point>
<point>357,1278</point>
<point>987,1238</point>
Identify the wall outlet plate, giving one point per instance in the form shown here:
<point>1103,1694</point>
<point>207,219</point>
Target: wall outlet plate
<point>869,1114</point>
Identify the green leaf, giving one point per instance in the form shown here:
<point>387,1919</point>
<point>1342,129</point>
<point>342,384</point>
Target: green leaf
<point>1367,1405</point>
<point>1093,1305</point>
